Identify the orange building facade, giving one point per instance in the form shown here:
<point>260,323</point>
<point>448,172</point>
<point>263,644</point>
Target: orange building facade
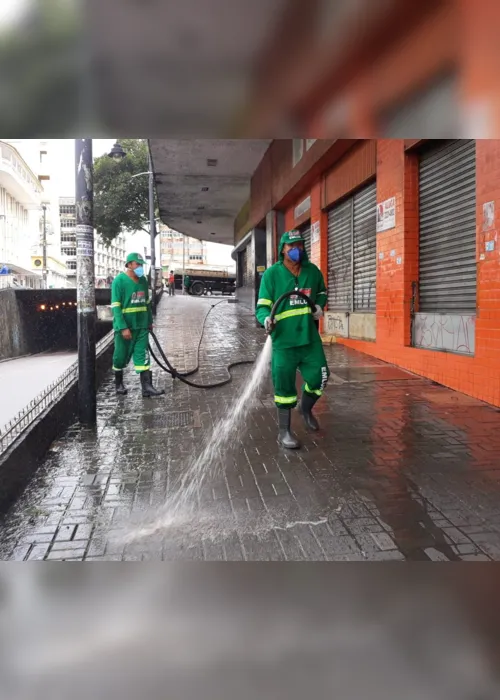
<point>453,336</point>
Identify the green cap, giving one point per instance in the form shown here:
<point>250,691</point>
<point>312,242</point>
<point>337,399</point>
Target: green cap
<point>293,236</point>
<point>135,257</point>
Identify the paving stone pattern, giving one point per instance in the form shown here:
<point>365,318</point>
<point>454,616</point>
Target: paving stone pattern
<point>402,468</point>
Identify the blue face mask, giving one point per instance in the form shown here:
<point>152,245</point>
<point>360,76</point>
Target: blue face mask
<point>296,254</point>
<point>139,271</point>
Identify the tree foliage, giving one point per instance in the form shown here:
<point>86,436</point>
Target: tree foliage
<point>121,203</point>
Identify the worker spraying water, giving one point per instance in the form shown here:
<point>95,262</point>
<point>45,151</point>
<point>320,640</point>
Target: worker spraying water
<point>291,301</point>
<point>297,285</point>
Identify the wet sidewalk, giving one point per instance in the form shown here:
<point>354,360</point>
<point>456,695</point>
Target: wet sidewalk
<point>402,469</point>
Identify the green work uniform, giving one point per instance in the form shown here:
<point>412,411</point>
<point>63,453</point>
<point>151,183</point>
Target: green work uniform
<point>187,282</point>
<point>296,341</point>
<point>131,304</point>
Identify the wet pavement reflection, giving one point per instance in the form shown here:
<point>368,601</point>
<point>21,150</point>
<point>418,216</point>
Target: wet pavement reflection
<point>402,468</point>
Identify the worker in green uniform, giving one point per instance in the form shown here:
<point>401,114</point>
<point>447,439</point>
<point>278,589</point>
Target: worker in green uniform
<point>132,321</point>
<point>295,337</point>
<point>187,283</point>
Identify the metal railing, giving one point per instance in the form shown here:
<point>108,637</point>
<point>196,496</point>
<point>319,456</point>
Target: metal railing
<point>22,421</point>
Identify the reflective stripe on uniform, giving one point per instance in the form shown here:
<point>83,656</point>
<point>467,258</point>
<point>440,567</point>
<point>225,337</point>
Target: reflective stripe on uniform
<point>285,399</point>
<point>117,369</point>
<point>264,302</point>
<point>135,310</point>
<point>324,293</point>
<point>115,303</point>
<point>318,392</point>
<point>142,368</point>
<point>293,312</point>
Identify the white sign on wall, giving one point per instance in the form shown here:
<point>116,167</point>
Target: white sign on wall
<point>386,215</point>
<point>303,207</point>
<point>315,229</point>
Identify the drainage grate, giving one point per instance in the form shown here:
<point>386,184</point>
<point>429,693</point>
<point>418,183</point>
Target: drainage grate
<point>179,419</point>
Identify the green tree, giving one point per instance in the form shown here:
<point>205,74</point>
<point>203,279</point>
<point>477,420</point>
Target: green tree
<point>121,203</point>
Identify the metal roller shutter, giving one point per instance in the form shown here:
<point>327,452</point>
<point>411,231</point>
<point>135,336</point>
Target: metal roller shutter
<point>340,256</point>
<point>247,263</point>
<point>447,248</point>
<point>365,248</point>
<point>306,233</point>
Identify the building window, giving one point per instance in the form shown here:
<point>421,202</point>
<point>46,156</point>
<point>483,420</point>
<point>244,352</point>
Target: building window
<point>68,238</point>
<point>71,265</point>
<point>69,252</point>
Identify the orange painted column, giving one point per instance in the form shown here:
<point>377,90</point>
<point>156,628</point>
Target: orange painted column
<point>487,370</point>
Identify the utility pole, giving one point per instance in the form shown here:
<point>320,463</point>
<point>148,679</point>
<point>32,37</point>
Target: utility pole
<point>44,247</point>
<point>152,233</point>
<point>183,261</point>
<point>85,282</point>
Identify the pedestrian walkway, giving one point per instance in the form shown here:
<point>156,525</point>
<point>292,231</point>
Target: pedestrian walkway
<point>402,469</point>
<point>24,378</point>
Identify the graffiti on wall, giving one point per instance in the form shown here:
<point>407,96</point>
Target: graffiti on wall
<point>337,324</point>
<point>339,275</point>
<point>446,332</point>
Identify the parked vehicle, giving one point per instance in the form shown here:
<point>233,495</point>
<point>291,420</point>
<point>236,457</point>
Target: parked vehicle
<point>203,282</point>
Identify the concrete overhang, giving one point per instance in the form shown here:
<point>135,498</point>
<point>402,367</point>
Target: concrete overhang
<point>202,184</point>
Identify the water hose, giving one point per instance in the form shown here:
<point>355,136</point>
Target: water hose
<point>183,376</point>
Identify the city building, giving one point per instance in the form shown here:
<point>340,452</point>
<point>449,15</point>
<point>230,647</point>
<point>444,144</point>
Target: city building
<point>57,277</point>
<point>179,251</point>
<point>39,156</point>
<point>21,195</point>
<point>405,233</point>
<point>109,259</point>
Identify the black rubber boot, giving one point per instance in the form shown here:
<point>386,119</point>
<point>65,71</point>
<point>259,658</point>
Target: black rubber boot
<point>306,406</point>
<point>286,437</point>
<point>120,388</point>
<point>148,390</point>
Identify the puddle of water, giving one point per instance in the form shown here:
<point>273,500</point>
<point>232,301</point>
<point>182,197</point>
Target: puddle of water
<point>178,507</point>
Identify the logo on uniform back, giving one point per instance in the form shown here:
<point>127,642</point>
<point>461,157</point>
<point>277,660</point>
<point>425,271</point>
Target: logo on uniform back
<point>299,301</point>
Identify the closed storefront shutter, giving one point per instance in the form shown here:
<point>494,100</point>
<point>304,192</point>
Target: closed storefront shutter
<point>306,233</point>
<point>247,264</point>
<point>365,248</point>
<point>340,257</point>
<point>352,253</point>
<point>447,245</point>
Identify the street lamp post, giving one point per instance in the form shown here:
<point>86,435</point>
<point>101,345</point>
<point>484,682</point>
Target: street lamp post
<point>152,234</point>
<point>44,247</point>
<point>152,229</point>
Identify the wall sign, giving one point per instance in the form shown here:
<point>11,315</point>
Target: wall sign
<point>386,215</point>
<point>303,207</point>
<point>315,230</point>
<point>488,215</point>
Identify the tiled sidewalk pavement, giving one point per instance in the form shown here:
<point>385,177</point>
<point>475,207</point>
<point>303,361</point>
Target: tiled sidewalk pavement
<point>402,468</point>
